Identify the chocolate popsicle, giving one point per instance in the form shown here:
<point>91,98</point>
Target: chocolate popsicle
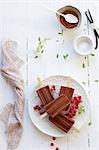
<point>67,91</point>
<point>63,122</point>
<point>55,107</point>
<point>45,95</point>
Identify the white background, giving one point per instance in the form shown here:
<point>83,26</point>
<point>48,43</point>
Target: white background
<point>24,22</point>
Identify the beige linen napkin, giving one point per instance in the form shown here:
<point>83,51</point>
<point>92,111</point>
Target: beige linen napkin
<point>12,114</point>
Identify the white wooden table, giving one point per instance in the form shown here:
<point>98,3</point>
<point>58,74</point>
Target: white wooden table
<point>24,22</point>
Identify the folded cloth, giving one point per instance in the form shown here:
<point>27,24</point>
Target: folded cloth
<point>12,114</point>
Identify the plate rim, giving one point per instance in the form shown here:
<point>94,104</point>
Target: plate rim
<point>43,131</point>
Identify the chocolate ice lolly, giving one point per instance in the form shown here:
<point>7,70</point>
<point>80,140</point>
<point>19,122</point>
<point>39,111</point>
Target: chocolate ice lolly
<point>63,122</point>
<point>45,95</point>
<point>67,91</point>
<point>55,107</point>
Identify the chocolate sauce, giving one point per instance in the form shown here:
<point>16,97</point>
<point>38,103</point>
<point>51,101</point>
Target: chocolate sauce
<point>67,24</point>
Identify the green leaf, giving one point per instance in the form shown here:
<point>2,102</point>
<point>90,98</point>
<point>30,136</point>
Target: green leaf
<point>47,39</point>
<point>92,54</point>
<point>83,65</point>
<point>65,56</point>
<point>81,109</point>
<point>89,123</point>
<point>42,51</point>
<point>35,57</point>
<point>38,49</point>
<point>40,46</point>
<point>40,42</point>
<point>83,82</point>
<point>96,80</point>
<point>57,55</point>
<point>39,39</point>
<point>61,33</point>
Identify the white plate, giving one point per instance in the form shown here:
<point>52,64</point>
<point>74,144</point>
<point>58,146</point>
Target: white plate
<point>44,125</point>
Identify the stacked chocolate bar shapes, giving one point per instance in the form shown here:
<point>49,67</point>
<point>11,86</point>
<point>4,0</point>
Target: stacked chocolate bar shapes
<point>54,107</point>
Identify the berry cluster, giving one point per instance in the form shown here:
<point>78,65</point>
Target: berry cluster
<point>74,106</point>
<point>53,88</point>
<point>37,107</point>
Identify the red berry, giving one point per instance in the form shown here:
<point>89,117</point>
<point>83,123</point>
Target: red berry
<point>75,98</point>
<point>57,148</point>
<point>53,86</point>
<point>70,115</point>
<point>51,90</point>
<point>75,110</point>
<point>77,104</point>
<point>39,108</point>
<point>42,105</point>
<point>76,107</point>
<point>72,107</point>
<point>78,100</point>
<point>70,111</point>
<point>72,101</point>
<point>67,114</point>
<point>79,97</point>
<point>54,138</point>
<point>34,108</point>
<point>73,114</point>
<point>52,144</point>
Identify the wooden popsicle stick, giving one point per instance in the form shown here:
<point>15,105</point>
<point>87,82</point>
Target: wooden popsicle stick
<point>39,80</point>
<point>69,81</point>
<point>44,115</point>
<point>40,83</point>
<point>77,130</point>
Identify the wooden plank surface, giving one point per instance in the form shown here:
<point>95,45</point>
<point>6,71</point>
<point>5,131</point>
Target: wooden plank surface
<point>26,21</point>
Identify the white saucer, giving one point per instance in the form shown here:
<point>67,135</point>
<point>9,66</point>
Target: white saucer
<point>44,125</point>
<point>83,45</point>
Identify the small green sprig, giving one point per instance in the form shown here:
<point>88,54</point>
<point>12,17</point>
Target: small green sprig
<point>96,80</point>
<point>61,33</point>
<point>81,109</point>
<point>90,123</point>
<point>57,56</point>
<point>83,65</point>
<point>83,83</point>
<point>40,47</point>
<point>65,56</point>
<point>92,54</point>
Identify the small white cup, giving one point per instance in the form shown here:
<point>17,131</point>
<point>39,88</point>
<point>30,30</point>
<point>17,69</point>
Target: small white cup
<point>83,45</point>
